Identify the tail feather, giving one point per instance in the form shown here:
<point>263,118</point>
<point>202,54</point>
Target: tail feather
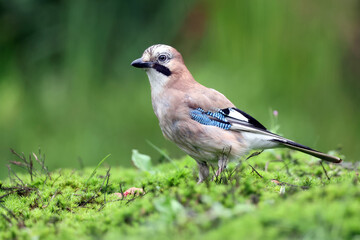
<point>307,150</point>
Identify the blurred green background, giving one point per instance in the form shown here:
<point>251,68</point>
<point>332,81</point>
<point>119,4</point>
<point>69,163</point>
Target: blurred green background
<point>66,84</point>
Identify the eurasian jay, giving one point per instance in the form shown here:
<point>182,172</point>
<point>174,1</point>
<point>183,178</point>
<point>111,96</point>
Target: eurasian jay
<point>202,121</point>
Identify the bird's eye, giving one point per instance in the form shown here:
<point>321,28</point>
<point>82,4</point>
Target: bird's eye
<point>162,58</point>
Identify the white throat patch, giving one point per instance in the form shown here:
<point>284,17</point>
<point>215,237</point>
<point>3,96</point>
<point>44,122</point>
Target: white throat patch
<point>157,81</point>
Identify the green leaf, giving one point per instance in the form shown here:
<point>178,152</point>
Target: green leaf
<point>142,161</point>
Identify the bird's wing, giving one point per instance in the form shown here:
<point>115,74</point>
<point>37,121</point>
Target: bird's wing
<point>234,119</point>
<point>230,119</point>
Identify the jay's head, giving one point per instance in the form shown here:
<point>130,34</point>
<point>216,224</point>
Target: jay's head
<point>161,58</point>
<point>160,62</point>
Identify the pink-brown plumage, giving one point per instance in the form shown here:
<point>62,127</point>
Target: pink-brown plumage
<point>175,94</point>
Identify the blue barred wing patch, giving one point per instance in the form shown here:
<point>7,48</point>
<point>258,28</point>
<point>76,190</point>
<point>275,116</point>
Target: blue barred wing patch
<point>216,119</point>
<point>225,118</point>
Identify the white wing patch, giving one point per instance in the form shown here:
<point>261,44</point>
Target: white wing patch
<point>237,115</point>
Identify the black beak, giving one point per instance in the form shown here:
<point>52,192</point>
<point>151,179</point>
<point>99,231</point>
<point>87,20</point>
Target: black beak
<point>139,63</point>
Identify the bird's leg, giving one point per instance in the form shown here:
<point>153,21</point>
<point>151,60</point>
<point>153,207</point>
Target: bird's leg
<point>223,160</point>
<point>219,171</point>
<point>203,171</point>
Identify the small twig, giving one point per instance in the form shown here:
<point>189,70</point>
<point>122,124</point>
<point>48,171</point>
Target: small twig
<point>53,196</point>
<point>55,180</point>
<point>41,161</point>
<point>9,212</point>
<point>19,189</point>
<point>6,218</point>
<point>286,167</point>
<point>26,164</point>
<point>10,170</point>
<point>254,170</point>
<point>321,163</point>
<point>18,155</point>
<point>277,182</point>
<point>107,177</point>
<point>89,200</point>
<point>133,198</point>
<point>19,164</point>
<point>96,195</point>
<point>20,222</point>
<point>121,191</point>
<point>7,194</point>
<point>31,167</point>
<point>230,173</point>
<point>254,154</point>
<point>101,207</point>
<point>35,203</point>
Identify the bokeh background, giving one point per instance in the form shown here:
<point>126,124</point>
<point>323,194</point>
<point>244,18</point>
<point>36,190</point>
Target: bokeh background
<point>66,84</point>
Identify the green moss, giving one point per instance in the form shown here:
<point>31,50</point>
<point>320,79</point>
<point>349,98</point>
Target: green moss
<point>238,205</point>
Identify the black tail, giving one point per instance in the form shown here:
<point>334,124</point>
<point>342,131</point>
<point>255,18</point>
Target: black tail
<point>307,150</point>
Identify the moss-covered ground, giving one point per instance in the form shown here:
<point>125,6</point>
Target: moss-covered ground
<point>291,196</point>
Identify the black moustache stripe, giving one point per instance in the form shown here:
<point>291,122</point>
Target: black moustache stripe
<point>162,69</point>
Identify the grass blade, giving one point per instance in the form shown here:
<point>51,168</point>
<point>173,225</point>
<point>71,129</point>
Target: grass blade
<point>162,153</point>
<point>93,173</point>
